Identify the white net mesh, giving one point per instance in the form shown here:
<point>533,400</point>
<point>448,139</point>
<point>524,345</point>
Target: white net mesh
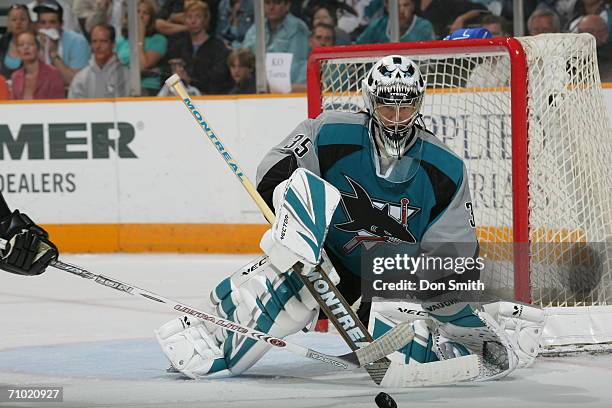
<point>570,177</point>
<point>468,106</point>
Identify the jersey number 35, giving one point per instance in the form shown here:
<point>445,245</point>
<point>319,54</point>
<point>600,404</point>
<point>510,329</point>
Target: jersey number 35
<point>299,145</point>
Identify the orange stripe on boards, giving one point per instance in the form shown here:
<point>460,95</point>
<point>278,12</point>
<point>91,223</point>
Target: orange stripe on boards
<point>84,237</point>
<point>244,238</point>
<point>194,238</point>
<point>207,238</point>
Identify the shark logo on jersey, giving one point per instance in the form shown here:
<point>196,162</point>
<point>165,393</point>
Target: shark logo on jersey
<point>375,221</point>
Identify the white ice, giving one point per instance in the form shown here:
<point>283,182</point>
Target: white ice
<point>60,330</point>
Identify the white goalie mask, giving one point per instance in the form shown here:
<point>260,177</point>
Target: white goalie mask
<point>393,92</point>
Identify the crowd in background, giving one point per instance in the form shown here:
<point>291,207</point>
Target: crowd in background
<point>80,49</point>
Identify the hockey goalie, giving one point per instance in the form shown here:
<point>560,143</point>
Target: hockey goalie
<point>342,185</point>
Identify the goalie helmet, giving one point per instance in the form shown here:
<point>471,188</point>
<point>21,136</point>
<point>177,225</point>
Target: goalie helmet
<point>393,92</point>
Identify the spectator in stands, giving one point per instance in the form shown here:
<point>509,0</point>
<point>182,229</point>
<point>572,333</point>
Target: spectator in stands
<point>496,25</point>
<point>284,33</point>
<point>177,66</point>
<point>18,21</point>
<point>467,19</point>
<point>4,90</point>
<point>241,63</point>
<point>411,26</point>
<point>543,21</point>
<point>171,18</point>
<point>355,15</point>
<point>322,35</point>
<point>563,8</point>
<point>326,13</point>
<point>35,79</point>
<point>70,21</point>
<point>105,77</point>
<point>601,8</point>
<point>596,26</point>
<point>55,39</point>
<point>93,12</point>
<point>152,46</point>
<point>444,14</point>
<point>235,18</point>
<point>205,56</point>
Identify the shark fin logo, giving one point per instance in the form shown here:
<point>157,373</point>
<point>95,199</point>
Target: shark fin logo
<point>375,221</point>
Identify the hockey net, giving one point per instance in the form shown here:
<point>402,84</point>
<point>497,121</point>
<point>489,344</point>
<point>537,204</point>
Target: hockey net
<point>527,117</point>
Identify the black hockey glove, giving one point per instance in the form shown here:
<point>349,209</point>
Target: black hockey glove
<point>27,249</point>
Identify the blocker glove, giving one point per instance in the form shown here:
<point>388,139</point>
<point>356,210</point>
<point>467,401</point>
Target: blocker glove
<point>25,248</point>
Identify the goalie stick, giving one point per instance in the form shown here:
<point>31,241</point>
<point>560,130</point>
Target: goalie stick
<point>464,369</point>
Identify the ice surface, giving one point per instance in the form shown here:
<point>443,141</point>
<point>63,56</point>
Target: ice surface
<point>61,330</point>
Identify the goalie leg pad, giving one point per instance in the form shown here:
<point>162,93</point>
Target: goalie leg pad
<point>272,302</point>
<point>190,348</point>
<point>260,297</point>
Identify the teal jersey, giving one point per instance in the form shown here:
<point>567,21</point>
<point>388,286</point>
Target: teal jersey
<point>428,207</point>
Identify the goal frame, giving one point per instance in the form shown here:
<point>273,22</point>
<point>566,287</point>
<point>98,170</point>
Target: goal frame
<point>519,121</point>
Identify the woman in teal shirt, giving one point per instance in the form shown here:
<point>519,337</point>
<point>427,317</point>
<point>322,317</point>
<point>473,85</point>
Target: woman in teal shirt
<point>412,27</point>
<point>151,48</point>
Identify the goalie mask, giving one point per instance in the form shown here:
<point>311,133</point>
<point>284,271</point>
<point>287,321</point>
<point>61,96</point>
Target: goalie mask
<point>393,92</point>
